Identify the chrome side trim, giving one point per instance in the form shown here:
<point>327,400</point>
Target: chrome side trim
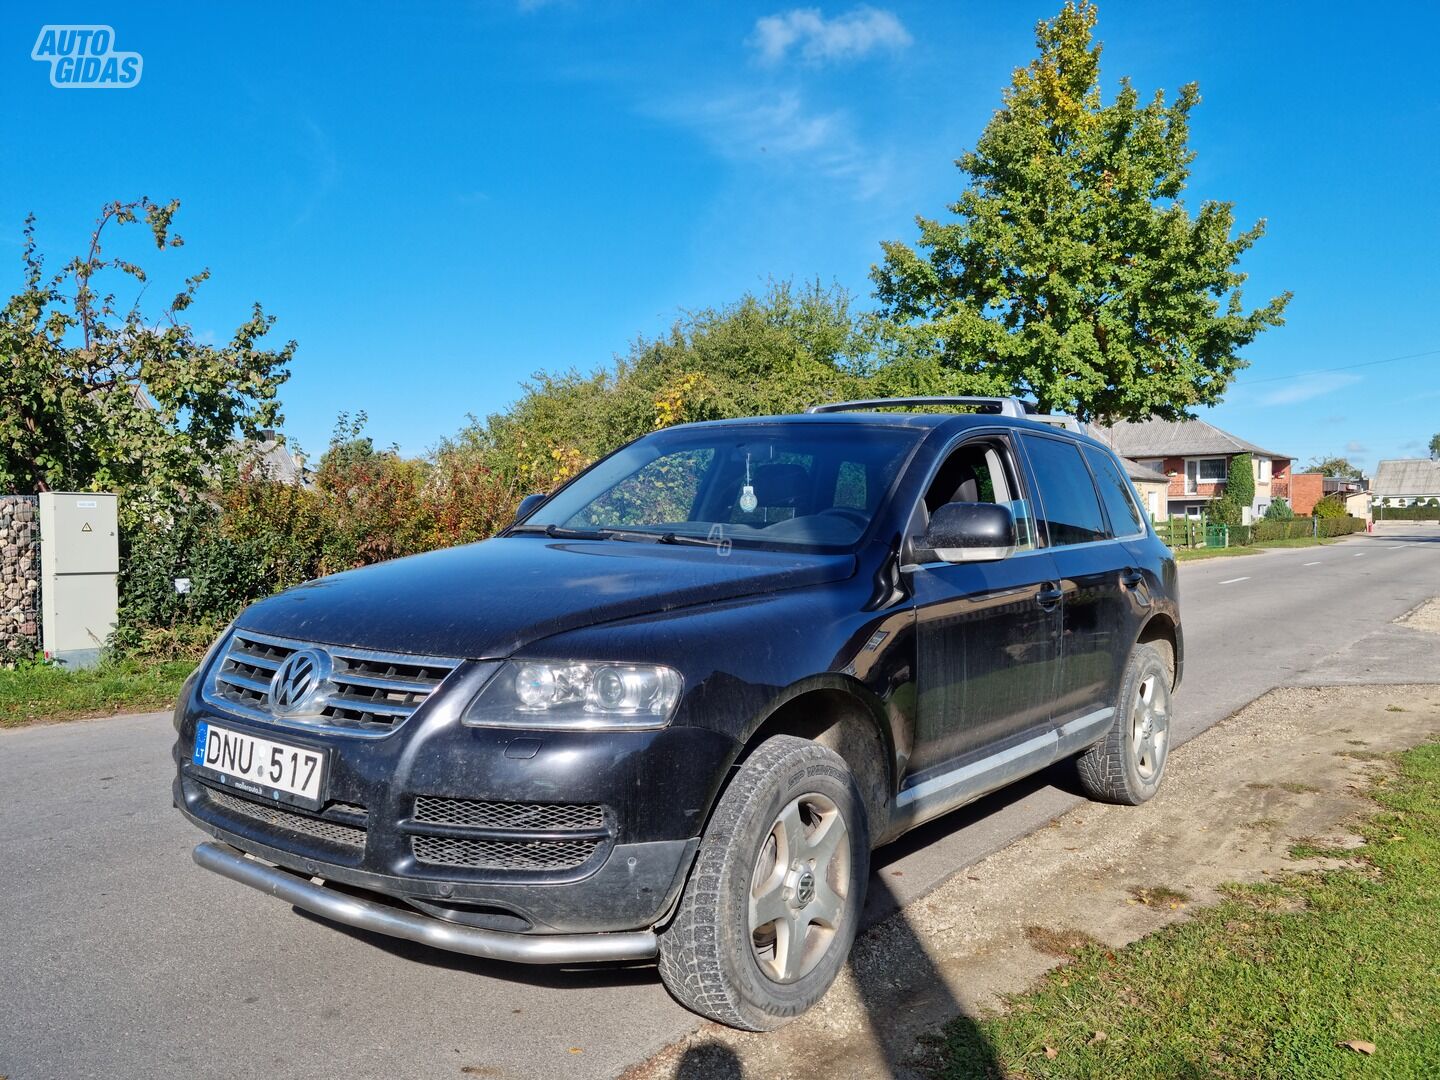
<point>437,933</point>
<point>989,773</point>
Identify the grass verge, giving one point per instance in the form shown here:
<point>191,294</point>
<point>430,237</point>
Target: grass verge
<point>1192,554</point>
<point>39,692</point>
<point>1272,982</point>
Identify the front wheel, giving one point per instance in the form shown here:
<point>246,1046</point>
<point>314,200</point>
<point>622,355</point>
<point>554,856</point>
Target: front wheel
<point>1129,763</point>
<point>774,900</point>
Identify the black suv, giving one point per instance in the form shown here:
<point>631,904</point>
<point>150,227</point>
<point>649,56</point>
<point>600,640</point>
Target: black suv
<point>671,710</point>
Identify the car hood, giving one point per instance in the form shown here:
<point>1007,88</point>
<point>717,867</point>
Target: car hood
<point>492,599</point>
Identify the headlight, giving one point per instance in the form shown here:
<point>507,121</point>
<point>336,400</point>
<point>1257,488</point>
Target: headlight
<point>576,694</point>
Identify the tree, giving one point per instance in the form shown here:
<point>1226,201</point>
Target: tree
<point>1279,510</point>
<point>1073,272</point>
<point>1330,506</point>
<point>1435,446</point>
<point>772,353</point>
<point>1334,466</point>
<point>99,396</point>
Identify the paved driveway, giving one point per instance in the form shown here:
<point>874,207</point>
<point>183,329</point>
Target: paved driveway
<point>123,959</point>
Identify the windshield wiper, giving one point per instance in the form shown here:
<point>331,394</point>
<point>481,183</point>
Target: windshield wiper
<point>695,541</point>
<point>558,532</point>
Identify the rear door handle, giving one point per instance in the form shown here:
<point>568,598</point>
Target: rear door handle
<point>1049,596</point>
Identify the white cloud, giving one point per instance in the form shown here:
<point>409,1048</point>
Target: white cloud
<point>1355,446</point>
<point>780,130</point>
<point>818,40</point>
<point>1305,387</point>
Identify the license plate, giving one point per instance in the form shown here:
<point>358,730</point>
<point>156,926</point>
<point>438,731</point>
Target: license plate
<point>260,766</point>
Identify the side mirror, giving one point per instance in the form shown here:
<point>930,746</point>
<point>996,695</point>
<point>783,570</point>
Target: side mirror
<point>971,532</point>
<point>528,504</point>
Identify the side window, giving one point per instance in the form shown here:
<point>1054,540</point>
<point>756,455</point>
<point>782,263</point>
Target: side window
<point>1069,505</point>
<point>1125,516</point>
<point>983,471</point>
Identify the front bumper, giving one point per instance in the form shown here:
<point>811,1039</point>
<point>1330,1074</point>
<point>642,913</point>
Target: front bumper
<point>437,933</point>
<point>647,793</point>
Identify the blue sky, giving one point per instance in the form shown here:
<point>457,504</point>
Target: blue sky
<point>437,200</point>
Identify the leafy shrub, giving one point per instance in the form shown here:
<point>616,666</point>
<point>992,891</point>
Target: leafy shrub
<point>1330,507</point>
<point>1240,481</point>
<point>1279,510</point>
<point>1224,511</point>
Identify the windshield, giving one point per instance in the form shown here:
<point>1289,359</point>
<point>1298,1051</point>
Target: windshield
<point>795,485</point>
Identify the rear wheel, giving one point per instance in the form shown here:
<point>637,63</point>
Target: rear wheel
<point>1129,763</point>
<point>774,901</point>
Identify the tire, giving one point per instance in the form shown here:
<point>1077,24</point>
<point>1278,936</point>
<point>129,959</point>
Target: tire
<point>721,956</point>
<point>1128,764</point>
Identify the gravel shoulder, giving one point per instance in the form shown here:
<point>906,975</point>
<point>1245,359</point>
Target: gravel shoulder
<point>1290,766</point>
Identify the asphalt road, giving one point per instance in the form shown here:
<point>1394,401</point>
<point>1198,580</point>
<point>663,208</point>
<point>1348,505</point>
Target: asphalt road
<point>121,958</point>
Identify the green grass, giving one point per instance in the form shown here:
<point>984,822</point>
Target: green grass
<point>1193,554</point>
<point>1190,554</point>
<point>39,692</point>
<point>1265,984</point>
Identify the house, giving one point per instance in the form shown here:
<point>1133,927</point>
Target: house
<point>1195,456</point>
<point>1152,485</point>
<point>270,456</point>
<point>1406,482</point>
<point>1307,489</point>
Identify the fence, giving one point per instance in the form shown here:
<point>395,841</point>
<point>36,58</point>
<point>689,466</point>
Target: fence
<point>19,577</point>
<point>1181,532</point>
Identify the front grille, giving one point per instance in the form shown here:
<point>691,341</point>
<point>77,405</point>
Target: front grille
<point>366,691</point>
<point>280,817</point>
<point>435,810</point>
<point>503,854</point>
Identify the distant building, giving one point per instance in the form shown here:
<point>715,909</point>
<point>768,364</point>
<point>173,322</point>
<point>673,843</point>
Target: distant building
<point>272,457</point>
<point>1406,481</point>
<point>1194,457</point>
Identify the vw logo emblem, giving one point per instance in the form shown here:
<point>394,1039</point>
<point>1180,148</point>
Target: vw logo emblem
<point>300,684</point>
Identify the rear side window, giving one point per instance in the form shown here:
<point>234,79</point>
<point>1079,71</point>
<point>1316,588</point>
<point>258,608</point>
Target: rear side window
<point>1071,509</point>
<point>1125,516</point>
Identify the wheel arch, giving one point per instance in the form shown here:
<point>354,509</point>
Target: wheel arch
<point>837,712</point>
<point>1162,630</point>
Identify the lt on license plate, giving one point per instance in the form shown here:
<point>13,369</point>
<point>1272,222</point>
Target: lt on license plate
<point>260,766</point>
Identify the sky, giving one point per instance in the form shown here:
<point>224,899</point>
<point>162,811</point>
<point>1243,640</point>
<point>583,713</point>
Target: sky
<point>438,200</point>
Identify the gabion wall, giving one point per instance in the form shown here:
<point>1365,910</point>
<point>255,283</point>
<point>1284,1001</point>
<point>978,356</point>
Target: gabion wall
<point>19,576</point>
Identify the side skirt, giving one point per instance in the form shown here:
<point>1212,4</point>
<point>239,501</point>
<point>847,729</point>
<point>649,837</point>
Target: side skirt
<point>936,795</point>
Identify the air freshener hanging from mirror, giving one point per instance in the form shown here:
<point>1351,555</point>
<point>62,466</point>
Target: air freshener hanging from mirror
<point>748,502</point>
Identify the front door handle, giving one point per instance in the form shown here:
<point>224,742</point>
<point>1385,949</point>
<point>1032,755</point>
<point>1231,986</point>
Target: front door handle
<point>1049,596</point>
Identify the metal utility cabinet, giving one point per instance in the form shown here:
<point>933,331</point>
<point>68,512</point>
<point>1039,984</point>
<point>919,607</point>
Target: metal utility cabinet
<point>79,561</point>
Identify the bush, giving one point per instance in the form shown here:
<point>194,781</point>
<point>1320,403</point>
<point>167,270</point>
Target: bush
<point>1279,510</point>
<point>1240,481</point>
<point>1225,511</point>
<point>1330,507</point>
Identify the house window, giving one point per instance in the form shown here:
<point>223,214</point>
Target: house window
<point>1262,470</point>
<point>1203,471</point>
<point>1153,464</point>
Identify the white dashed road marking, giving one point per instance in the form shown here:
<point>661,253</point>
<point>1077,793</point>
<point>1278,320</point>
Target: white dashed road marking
<point>1312,564</point>
<point>1233,580</point>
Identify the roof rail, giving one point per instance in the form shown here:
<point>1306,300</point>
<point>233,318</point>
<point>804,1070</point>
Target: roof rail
<point>1003,406</point>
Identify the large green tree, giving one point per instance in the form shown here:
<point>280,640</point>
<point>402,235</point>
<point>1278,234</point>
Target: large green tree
<point>1334,466</point>
<point>1072,271</point>
<point>99,395</point>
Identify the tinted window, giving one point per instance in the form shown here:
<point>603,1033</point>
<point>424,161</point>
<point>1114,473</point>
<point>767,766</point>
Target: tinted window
<point>1071,510</point>
<point>1125,516</point>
